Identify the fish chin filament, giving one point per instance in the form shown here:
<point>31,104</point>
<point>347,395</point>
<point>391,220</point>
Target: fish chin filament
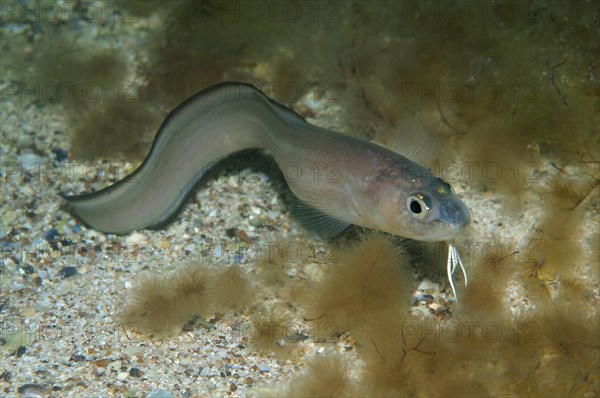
<point>454,260</point>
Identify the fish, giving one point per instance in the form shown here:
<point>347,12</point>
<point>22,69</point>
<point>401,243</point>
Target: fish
<point>336,179</point>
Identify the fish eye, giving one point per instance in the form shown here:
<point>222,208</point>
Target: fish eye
<point>418,205</point>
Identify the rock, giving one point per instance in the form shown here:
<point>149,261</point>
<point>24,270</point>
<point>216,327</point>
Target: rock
<point>160,393</point>
<point>137,239</point>
<point>135,372</point>
<point>50,234</point>
<point>8,217</point>
<point>32,390</point>
<point>63,288</point>
<point>31,160</point>
<point>67,272</point>
<point>264,368</point>
<point>116,365</point>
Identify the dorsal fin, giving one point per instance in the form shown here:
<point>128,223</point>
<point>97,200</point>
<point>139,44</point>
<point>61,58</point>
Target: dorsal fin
<point>416,142</point>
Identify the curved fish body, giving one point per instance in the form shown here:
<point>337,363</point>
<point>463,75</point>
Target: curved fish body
<point>337,179</point>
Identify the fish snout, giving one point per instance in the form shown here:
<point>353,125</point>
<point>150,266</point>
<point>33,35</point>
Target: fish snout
<point>455,212</point>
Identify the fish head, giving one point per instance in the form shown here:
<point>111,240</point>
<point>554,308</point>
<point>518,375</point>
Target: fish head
<point>427,210</point>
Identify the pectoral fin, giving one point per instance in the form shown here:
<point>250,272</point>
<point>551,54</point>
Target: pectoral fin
<point>316,221</point>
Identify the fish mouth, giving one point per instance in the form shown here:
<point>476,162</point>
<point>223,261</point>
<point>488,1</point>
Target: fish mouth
<point>454,218</point>
<point>443,232</point>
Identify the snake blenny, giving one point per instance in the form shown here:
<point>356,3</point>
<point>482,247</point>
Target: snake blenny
<point>374,187</point>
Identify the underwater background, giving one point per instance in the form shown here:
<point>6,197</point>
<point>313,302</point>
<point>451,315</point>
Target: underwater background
<point>233,298</point>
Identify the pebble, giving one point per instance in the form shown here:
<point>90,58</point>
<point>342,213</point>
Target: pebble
<point>63,288</point>
<point>427,285</point>
<point>164,244</point>
<point>26,190</point>
<point>61,155</point>
<point>160,393</point>
<point>101,363</point>
<point>423,297</point>
<point>32,390</point>
<point>50,234</point>
<point>137,238</point>
<point>31,160</point>
<point>20,351</point>
<point>6,376</point>
<point>135,372</point>
<point>8,217</point>
<point>67,272</point>
<point>264,368</point>
<point>256,222</point>
<point>116,365</point>
<point>191,248</point>
<point>96,236</point>
<point>17,287</point>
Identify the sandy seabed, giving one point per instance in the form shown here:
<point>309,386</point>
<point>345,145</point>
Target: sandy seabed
<point>62,284</point>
